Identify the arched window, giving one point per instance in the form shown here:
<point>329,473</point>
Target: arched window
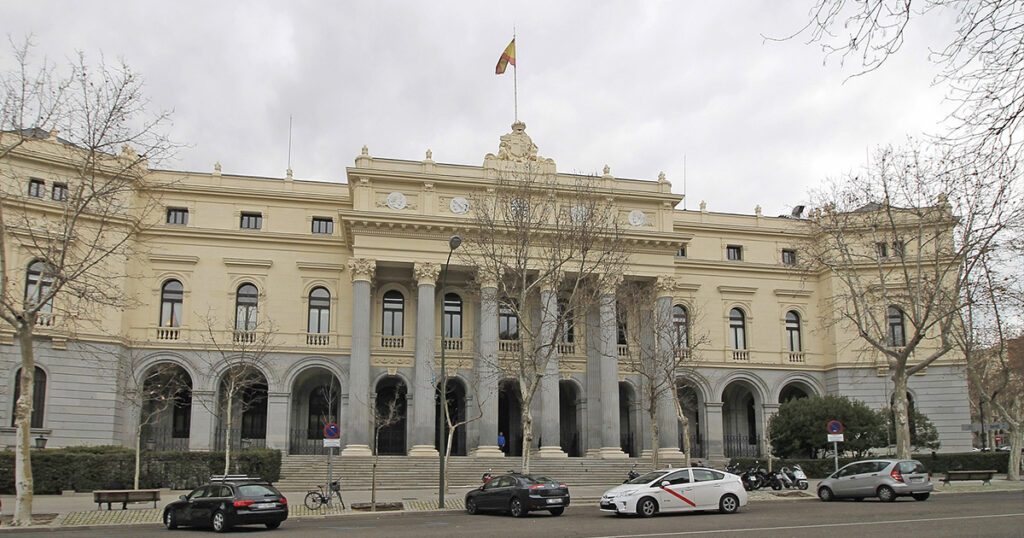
<point>793,331</point>
<point>737,329</point>
<point>568,321</point>
<point>508,322</point>
<point>37,286</point>
<point>170,304</point>
<point>681,326</point>
<point>452,319</point>
<point>246,301</point>
<point>38,397</point>
<point>319,311</point>
<point>394,314</point>
<point>897,336</point>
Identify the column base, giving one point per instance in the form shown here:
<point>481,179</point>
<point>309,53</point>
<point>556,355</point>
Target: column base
<point>612,453</point>
<point>487,452</point>
<point>356,450</point>
<point>670,454</point>
<point>423,451</point>
<point>551,452</point>
<point>593,453</point>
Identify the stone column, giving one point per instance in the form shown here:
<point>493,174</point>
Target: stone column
<point>768,411</point>
<point>277,421</point>
<point>424,417</point>
<point>609,358</point>
<point>357,430</point>
<point>550,432</point>
<point>668,420</point>
<point>487,369</point>
<point>201,425</point>
<point>716,430</point>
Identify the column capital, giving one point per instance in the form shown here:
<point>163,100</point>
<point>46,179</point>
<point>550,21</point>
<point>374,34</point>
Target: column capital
<point>610,283</point>
<point>426,273</point>
<point>665,286</point>
<point>362,268</point>
<point>546,284</point>
<point>487,277</point>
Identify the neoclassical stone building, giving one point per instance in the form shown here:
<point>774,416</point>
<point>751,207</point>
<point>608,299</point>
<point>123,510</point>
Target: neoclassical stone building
<point>348,272</point>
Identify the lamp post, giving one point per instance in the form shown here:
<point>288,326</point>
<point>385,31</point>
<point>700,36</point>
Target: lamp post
<point>453,243</point>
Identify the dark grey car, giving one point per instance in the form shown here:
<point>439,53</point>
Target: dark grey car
<point>885,479</point>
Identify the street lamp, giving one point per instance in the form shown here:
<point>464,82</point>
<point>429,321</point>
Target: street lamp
<point>453,243</point>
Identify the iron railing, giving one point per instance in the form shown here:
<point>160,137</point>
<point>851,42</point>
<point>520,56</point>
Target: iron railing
<point>742,446</point>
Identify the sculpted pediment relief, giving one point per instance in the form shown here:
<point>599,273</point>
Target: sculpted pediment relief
<point>517,147</point>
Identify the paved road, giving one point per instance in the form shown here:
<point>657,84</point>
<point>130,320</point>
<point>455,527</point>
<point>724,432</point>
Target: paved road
<point>976,514</point>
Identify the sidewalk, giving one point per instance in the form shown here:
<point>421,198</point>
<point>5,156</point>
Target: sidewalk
<point>77,509</point>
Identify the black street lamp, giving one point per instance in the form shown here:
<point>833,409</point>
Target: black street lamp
<point>453,243</point>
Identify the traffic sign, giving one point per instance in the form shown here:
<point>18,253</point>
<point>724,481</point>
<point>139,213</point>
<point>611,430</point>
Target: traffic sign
<point>332,443</point>
<point>332,431</point>
<point>835,438</point>
<point>834,426</point>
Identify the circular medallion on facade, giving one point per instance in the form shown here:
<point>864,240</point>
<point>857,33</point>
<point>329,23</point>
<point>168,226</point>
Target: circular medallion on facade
<point>459,205</point>
<point>637,218</point>
<point>396,201</point>
<point>579,213</point>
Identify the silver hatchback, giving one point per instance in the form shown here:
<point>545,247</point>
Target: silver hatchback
<point>885,479</point>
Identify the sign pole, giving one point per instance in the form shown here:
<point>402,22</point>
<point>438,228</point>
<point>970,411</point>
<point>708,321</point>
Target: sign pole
<point>835,452</point>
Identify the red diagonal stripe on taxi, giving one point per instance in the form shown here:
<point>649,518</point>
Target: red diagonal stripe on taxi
<point>687,501</point>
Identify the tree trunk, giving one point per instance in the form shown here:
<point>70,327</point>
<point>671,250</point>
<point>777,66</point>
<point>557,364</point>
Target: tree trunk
<point>227,436</point>
<point>900,412</point>
<point>652,412</point>
<point>448,452</point>
<point>23,483</point>
<point>527,422</point>
<point>138,449</point>
<point>686,436</point>
<point>1016,443</point>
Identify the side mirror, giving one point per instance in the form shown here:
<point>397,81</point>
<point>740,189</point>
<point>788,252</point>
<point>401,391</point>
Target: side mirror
<point>665,483</point>
<point>182,497</point>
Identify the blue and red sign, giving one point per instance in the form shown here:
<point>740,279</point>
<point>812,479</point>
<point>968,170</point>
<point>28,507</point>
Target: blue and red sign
<point>332,431</point>
<point>834,426</point>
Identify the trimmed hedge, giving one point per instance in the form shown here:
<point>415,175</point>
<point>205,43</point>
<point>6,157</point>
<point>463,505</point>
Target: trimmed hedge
<point>939,463</point>
<point>89,468</point>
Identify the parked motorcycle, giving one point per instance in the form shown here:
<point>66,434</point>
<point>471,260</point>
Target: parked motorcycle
<point>780,479</point>
<point>797,476</point>
<point>751,478</point>
<point>487,476</point>
<point>631,474</point>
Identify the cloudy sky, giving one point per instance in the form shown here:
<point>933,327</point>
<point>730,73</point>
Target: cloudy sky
<point>639,86</point>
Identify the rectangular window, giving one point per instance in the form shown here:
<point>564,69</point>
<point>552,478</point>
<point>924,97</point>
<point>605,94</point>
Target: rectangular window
<point>734,252</point>
<point>788,256</point>
<point>60,192</point>
<point>322,225</point>
<point>882,250</point>
<point>252,221</point>
<point>681,253</point>
<point>36,188</point>
<point>177,215</point>
<point>897,249</point>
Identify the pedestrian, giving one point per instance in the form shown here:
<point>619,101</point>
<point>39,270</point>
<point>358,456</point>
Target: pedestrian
<point>501,442</point>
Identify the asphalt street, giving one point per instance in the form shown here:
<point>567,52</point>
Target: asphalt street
<point>970,514</point>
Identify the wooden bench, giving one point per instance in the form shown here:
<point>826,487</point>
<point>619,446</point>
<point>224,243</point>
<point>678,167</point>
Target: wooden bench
<point>956,476</point>
<point>124,496</point>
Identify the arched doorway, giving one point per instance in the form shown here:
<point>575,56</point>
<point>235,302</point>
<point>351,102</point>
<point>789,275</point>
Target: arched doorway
<point>390,416</point>
<point>166,413</point>
<point>740,420</point>
<point>315,402</point>
<point>456,398</point>
<point>568,418</point>
<point>243,390</point>
<point>692,404</point>
<point>510,412</point>
<point>627,422</point>
<point>794,391</point>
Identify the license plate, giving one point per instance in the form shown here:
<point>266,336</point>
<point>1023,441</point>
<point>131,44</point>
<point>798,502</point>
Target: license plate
<point>261,506</point>
<point>916,479</point>
<point>554,501</point>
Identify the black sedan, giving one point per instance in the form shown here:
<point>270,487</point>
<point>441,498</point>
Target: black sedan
<point>222,504</point>
<point>518,494</point>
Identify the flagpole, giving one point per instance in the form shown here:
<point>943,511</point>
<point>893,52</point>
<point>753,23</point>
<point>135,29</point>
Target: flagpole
<point>515,81</point>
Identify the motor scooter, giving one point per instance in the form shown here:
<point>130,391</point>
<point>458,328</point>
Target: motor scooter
<point>487,476</point>
<point>797,476</point>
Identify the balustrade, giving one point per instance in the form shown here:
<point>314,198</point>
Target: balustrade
<point>318,339</point>
<point>168,333</point>
<point>740,355</point>
<point>796,356</point>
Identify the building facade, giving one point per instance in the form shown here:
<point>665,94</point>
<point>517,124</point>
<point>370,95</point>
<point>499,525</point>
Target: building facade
<point>338,286</point>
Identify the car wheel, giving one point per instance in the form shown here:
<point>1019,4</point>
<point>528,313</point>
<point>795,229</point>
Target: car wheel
<point>646,507</point>
<point>515,507</point>
<point>471,507</point>
<point>921,496</point>
<point>557,511</point>
<point>886,494</point>
<point>728,504</point>
<point>169,521</point>
<point>219,522</point>
<point>273,525</point>
<point>825,494</point>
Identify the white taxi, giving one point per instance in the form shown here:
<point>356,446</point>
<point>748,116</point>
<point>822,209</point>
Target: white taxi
<point>676,490</point>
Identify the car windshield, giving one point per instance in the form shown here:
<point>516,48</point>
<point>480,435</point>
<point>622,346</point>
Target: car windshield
<point>256,490</point>
<point>645,478</point>
<point>539,479</point>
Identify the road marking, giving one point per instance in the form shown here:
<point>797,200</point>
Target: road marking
<point>436,523</point>
<point>687,501</point>
<point>819,526</point>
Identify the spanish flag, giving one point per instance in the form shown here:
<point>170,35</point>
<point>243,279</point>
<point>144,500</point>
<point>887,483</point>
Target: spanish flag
<point>507,57</point>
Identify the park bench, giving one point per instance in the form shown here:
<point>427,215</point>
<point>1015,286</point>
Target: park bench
<point>956,476</point>
<point>124,496</point>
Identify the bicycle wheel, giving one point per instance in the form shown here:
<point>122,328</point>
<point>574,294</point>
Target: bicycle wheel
<point>314,500</point>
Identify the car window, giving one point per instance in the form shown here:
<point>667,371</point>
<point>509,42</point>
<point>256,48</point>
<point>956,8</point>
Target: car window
<point>880,466</point>
<point>538,479</point>
<point>198,493</point>
<point>911,467</point>
<point>706,475</point>
<point>221,491</point>
<point>256,490</point>
<point>678,477</point>
<point>852,469</point>
<point>505,482</point>
<point>647,478</point>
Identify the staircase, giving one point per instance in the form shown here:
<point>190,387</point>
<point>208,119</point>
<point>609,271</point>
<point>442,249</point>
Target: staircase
<point>300,473</point>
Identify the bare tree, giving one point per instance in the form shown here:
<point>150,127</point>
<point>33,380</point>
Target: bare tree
<point>80,237</point>
<point>452,424</point>
<point>900,243</point>
<point>549,241</point>
<point>384,414</point>
<point>240,356</point>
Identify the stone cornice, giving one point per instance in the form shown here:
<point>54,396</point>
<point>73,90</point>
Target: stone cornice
<point>736,290</point>
<point>244,262</point>
<point>319,266</point>
<point>174,258</point>
<point>781,292</point>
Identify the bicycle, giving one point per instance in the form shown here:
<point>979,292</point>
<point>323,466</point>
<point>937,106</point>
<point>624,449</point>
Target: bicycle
<point>316,498</point>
